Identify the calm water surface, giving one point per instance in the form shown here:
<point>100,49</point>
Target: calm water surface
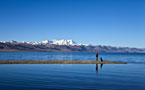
<point>72,76</point>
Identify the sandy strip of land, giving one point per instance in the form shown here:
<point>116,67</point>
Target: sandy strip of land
<point>60,62</point>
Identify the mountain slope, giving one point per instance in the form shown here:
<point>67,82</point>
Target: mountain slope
<point>14,46</point>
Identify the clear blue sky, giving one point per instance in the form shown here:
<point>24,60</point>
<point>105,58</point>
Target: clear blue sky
<point>103,22</point>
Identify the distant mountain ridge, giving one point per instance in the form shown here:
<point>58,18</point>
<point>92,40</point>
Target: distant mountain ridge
<point>56,42</point>
<point>63,46</point>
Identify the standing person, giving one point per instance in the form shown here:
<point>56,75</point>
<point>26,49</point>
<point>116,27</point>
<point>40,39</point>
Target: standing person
<point>101,59</point>
<point>97,56</point>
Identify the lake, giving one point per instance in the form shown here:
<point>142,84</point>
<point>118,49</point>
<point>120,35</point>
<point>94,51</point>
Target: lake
<point>129,76</point>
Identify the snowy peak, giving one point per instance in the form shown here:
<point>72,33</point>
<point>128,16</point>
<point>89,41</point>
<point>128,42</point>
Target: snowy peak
<point>63,42</point>
<point>12,41</point>
<point>45,42</point>
<point>58,42</point>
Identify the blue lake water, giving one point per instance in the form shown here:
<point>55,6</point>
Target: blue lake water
<point>129,76</point>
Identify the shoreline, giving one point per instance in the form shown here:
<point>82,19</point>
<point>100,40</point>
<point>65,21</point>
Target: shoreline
<point>60,62</point>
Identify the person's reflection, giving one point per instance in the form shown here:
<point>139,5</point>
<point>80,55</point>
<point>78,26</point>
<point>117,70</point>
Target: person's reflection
<point>101,65</point>
<point>97,71</point>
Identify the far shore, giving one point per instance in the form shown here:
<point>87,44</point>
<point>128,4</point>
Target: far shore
<point>64,51</point>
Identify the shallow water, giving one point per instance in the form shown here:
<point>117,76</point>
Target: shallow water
<point>72,76</point>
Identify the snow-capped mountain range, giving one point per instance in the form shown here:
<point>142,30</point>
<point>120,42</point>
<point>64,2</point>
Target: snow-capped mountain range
<point>55,42</point>
<point>63,46</point>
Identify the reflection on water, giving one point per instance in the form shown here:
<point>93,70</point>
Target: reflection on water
<point>74,76</point>
<point>101,65</point>
<point>97,70</point>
